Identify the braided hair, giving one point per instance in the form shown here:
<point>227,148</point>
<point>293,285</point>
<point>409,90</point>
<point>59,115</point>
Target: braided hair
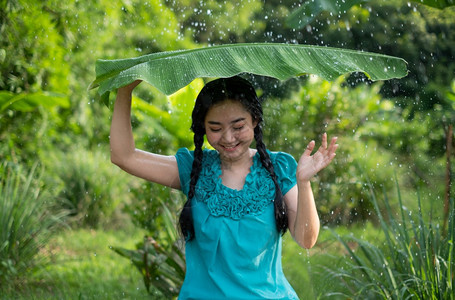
<point>216,91</point>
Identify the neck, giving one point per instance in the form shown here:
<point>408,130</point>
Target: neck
<point>245,160</point>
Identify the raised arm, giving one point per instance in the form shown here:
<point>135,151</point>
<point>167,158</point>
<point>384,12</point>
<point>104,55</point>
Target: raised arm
<point>153,167</point>
<point>302,214</point>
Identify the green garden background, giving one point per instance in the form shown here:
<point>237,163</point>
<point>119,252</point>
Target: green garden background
<point>72,225</point>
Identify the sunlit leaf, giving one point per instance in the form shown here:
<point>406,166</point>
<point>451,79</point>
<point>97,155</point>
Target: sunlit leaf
<point>309,10</point>
<point>170,71</point>
<point>27,102</point>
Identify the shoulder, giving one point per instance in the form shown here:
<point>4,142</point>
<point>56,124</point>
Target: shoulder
<point>282,158</point>
<point>285,169</point>
<point>185,155</point>
<point>184,152</point>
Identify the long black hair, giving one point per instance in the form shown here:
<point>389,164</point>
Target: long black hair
<point>219,90</point>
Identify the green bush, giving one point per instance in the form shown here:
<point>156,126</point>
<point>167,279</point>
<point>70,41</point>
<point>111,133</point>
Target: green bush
<point>88,185</point>
<point>415,261</point>
<point>147,210</point>
<point>26,223</point>
<point>161,263</point>
<point>160,268</point>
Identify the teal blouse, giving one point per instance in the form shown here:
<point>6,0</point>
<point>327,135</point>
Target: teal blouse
<point>236,252</point>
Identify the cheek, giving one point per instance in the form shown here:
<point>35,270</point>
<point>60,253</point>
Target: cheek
<point>247,134</point>
<point>211,137</point>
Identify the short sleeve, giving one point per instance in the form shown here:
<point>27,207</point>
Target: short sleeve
<point>285,168</point>
<point>185,159</point>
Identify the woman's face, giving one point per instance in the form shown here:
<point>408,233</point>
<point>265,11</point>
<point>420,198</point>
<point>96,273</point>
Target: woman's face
<point>230,129</point>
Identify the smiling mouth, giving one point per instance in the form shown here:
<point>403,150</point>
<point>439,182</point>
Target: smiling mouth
<point>230,148</point>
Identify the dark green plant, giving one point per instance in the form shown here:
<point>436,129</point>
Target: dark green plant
<point>161,266</point>
<point>147,210</point>
<point>26,223</point>
<point>415,262</point>
<point>163,269</point>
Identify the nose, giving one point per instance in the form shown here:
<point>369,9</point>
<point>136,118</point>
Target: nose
<point>228,135</point>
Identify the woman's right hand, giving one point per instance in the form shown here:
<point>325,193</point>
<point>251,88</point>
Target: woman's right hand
<point>130,87</point>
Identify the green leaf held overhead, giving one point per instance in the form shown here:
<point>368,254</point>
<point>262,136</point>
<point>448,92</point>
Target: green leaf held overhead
<point>171,71</point>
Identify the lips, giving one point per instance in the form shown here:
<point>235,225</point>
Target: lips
<point>230,148</point>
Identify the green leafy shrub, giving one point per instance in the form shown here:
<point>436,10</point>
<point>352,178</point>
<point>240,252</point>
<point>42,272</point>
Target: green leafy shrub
<point>148,209</point>
<point>88,185</point>
<point>161,264</point>
<point>26,223</point>
<point>415,261</point>
<point>161,268</point>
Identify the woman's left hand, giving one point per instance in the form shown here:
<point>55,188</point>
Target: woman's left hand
<point>309,165</point>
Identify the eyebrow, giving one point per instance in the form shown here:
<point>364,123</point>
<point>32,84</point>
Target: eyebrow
<point>232,122</point>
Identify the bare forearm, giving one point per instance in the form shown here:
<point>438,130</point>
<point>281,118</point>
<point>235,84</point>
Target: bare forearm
<point>306,225</point>
<point>121,135</point>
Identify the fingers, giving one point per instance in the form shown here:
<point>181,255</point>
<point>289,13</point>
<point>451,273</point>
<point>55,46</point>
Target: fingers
<point>327,150</point>
<point>324,140</point>
<point>134,83</point>
<point>332,148</point>
<point>309,148</point>
<point>333,144</point>
<point>130,87</point>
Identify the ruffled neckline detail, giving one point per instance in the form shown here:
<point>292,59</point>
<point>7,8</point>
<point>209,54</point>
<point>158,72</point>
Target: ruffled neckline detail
<point>257,193</point>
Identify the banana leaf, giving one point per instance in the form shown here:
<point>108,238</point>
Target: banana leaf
<point>173,70</point>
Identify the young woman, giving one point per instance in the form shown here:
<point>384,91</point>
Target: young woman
<point>240,201</point>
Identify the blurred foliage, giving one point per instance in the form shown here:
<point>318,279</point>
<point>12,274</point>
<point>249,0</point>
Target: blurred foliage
<point>309,10</point>
<point>48,50</point>
<point>58,45</point>
<point>441,4</point>
<point>147,210</point>
<point>25,119</point>
<point>219,22</point>
<point>87,185</point>
<point>27,220</point>
<point>83,267</point>
<point>163,123</point>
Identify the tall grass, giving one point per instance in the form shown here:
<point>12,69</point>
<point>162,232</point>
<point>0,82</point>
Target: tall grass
<point>415,261</point>
<point>26,223</point>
